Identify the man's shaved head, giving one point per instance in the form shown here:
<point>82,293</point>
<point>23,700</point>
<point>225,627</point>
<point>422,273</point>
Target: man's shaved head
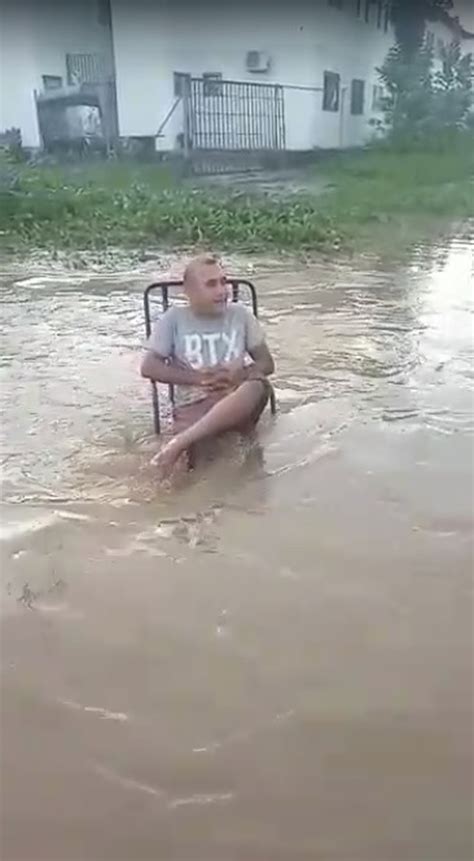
<point>205,284</point>
<point>197,263</point>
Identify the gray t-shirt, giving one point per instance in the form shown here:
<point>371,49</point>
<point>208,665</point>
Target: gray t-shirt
<point>203,342</point>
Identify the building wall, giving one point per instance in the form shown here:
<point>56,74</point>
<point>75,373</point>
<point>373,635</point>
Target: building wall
<point>153,39</point>
<point>18,76</point>
<point>35,36</point>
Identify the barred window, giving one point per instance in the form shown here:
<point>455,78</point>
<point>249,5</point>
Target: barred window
<point>378,94</point>
<point>332,86</point>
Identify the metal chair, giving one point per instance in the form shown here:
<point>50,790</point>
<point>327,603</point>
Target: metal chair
<point>164,286</point>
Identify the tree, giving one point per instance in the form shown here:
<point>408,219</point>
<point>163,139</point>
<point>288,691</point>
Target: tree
<point>421,105</point>
<point>408,87</point>
<point>452,87</point>
<point>409,18</point>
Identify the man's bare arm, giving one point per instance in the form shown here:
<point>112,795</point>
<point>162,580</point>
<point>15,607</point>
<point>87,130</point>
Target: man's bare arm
<point>234,374</point>
<point>160,370</point>
<point>263,363</point>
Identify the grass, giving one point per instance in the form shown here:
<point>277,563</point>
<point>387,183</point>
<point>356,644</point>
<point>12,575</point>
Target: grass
<point>135,205</point>
<point>53,209</point>
<point>383,183</point>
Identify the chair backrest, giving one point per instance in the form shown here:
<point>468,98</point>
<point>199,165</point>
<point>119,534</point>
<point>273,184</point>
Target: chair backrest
<point>165,287</point>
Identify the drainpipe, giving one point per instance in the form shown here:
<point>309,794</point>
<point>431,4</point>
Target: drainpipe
<point>113,131</point>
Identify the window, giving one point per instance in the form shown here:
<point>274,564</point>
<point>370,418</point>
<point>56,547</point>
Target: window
<point>179,79</point>
<point>52,82</point>
<point>332,82</point>
<point>382,11</point>
<point>212,83</point>
<point>378,95</point>
<point>357,97</point>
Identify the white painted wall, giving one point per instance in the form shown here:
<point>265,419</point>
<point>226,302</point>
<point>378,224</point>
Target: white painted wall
<point>153,38</point>
<point>18,76</point>
<point>35,36</point>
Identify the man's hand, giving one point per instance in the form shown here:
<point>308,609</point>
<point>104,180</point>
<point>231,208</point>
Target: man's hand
<point>217,378</point>
<point>223,377</point>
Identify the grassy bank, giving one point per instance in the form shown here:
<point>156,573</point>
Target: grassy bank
<point>384,184</point>
<point>114,204</point>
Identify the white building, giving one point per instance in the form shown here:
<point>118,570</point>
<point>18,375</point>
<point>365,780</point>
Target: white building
<point>304,46</point>
<point>309,66</point>
<point>41,43</point>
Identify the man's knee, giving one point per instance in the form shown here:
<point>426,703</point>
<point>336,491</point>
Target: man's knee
<point>260,388</point>
<point>258,392</point>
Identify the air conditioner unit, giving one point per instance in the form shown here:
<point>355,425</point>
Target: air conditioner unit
<point>257,61</point>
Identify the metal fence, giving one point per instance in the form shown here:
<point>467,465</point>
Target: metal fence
<point>86,69</point>
<point>233,116</point>
<point>93,71</point>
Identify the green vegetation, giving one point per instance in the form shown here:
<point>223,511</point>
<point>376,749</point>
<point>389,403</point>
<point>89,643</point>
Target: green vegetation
<point>423,107</point>
<point>420,173</point>
<point>409,18</point>
<point>383,184</point>
<point>89,210</point>
<point>139,206</point>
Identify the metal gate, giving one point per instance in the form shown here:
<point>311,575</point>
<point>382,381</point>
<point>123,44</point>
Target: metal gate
<point>231,117</point>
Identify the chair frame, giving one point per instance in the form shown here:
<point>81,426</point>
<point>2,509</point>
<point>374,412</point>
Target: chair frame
<point>164,287</point>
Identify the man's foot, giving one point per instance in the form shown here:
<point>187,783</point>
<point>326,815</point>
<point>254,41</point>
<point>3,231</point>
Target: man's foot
<point>167,457</point>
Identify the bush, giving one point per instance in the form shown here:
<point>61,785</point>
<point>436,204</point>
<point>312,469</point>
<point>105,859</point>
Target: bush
<point>45,212</point>
<point>420,105</point>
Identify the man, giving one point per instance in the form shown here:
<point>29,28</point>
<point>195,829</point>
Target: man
<point>214,352</point>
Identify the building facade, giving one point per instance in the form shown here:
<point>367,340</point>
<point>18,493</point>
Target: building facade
<point>47,44</point>
<point>323,54</point>
<point>261,74</point>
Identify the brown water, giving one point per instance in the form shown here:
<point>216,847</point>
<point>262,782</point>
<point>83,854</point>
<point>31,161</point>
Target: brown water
<point>273,661</point>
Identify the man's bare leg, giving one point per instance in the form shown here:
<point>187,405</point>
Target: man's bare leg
<point>230,413</point>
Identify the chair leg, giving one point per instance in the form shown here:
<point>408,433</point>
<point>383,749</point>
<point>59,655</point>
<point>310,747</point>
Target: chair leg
<point>156,409</point>
<point>191,457</point>
<point>272,402</point>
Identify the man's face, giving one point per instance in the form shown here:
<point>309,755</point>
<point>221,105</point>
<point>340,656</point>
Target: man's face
<point>207,289</point>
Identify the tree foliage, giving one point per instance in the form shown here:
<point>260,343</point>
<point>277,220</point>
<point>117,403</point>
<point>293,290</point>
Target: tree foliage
<point>409,18</point>
<point>422,103</point>
<point>453,87</point>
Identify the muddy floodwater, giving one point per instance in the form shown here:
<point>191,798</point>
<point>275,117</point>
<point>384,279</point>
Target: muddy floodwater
<point>272,661</point>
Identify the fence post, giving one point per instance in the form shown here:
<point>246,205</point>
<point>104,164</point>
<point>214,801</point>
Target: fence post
<point>187,116</point>
<point>275,118</point>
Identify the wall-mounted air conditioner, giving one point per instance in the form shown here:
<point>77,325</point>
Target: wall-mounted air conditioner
<point>257,61</point>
